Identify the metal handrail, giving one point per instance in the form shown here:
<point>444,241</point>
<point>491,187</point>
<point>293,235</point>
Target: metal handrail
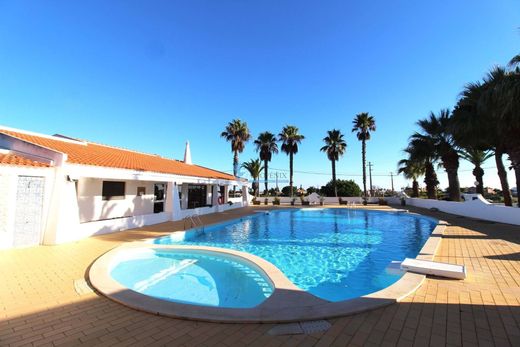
<point>193,221</point>
<point>199,220</point>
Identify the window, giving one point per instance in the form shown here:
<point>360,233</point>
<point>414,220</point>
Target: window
<point>113,190</point>
<point>141,191</point>
<point>197,196</point>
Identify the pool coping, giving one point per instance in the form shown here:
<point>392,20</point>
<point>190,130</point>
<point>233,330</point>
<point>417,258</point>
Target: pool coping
<point>288,303</point>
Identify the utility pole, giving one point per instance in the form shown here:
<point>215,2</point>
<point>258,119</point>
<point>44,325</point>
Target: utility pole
<point>370,175</point>
<point>392,179</point>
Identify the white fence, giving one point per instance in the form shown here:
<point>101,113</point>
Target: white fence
<point>474,206</point>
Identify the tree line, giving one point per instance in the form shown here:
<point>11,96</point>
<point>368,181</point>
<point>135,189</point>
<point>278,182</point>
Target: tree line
<point>266,144</point>
<point>484,123</point>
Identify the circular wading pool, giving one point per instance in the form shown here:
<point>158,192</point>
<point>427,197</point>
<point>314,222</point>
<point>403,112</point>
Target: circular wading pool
<point>192,277</point>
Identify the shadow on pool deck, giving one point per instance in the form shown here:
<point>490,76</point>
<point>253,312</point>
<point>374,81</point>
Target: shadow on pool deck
<point>99,322</point>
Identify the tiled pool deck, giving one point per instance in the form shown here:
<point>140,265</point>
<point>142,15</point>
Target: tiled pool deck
<point>43,301</point>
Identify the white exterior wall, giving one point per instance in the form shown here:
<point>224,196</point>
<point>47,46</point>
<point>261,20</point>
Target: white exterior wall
<point>70,215</point>
<point>92,207</point>
<point>8,183</point>
<point>7,209</point>
<point>474,208</point>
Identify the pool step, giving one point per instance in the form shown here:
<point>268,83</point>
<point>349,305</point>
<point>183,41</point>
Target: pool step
<point>427,267</point>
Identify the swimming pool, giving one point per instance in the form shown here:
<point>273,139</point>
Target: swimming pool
<point>192,277</point>
<point>334,254</point>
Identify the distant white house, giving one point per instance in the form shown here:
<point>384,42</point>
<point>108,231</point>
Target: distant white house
<point>55,189</point>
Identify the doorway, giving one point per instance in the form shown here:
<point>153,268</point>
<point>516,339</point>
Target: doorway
<point>28,211</point>
<point>159,192</point>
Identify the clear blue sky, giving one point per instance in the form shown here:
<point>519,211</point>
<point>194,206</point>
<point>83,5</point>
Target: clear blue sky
<point>149,75</point>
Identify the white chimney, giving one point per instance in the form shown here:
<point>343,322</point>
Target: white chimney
<point>187,154</point>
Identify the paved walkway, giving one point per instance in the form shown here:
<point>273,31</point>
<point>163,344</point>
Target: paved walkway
<point>40,306</point>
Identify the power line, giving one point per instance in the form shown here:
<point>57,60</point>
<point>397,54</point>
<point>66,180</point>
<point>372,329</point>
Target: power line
<point>325,173</point>
<point>352,174</point>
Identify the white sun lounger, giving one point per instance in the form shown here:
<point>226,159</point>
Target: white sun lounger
<point>427,267</point>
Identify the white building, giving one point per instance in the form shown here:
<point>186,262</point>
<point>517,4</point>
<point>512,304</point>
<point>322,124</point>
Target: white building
<point>55,189</point>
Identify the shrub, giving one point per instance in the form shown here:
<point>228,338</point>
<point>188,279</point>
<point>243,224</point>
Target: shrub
<point>345,188</point>
<point>286,191</point>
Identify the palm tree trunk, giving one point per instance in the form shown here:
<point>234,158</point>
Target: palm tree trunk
<point>451,164</point>
<point>478,172</point>
<point>235,168</point>
<point>415,189</point>
<point>430,178</point>
<point>453,185</point>
<point>334,178</point>
<point>517,177</point>
<point>235,163</point>
<point>502,174</point>
<point>265,177</point>
<point>514,155</point>
<point>363,155</point>
<point>291,173</point>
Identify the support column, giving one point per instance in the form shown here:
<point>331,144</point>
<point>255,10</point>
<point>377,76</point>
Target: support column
<point>63,219</point>
<point>226,194</point>
<point>245,196</point>
<point>176,203</point>
<point>184,190</point>
<point>214,195</point>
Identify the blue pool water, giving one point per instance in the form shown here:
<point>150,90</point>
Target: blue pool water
<point>335,254</point>
<point>193,277</point>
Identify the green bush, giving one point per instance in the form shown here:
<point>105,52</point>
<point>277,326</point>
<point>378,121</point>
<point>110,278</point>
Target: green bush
<point>345,188</point>
<point>286,191</point>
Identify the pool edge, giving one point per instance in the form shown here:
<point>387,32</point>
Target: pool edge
<point>288,303</point>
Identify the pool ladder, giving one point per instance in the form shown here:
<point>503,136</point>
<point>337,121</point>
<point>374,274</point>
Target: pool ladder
<point>194,221</point>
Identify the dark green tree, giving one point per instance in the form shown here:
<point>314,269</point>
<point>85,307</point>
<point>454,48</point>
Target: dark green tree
<point>290,137</point>
<point>335,147</point>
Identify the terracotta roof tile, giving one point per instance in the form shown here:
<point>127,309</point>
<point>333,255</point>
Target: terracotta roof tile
<point>107,156</point>
<point>13,159</point>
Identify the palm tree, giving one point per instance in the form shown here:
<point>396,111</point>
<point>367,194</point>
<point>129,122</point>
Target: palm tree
<point>238,134</point>
<point>266,145</point>
<point>505,97</point>
<point>254,167</point>
<point>411,170</point>
<point>437,129</point>
<point>290,138</point>
<point>335,147</point>
<point>515,60</point>
<point>493,105</point>
<point>363,124</point>
<point>477,157</point>
<point>422,151</point>
<point>474,123</point>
